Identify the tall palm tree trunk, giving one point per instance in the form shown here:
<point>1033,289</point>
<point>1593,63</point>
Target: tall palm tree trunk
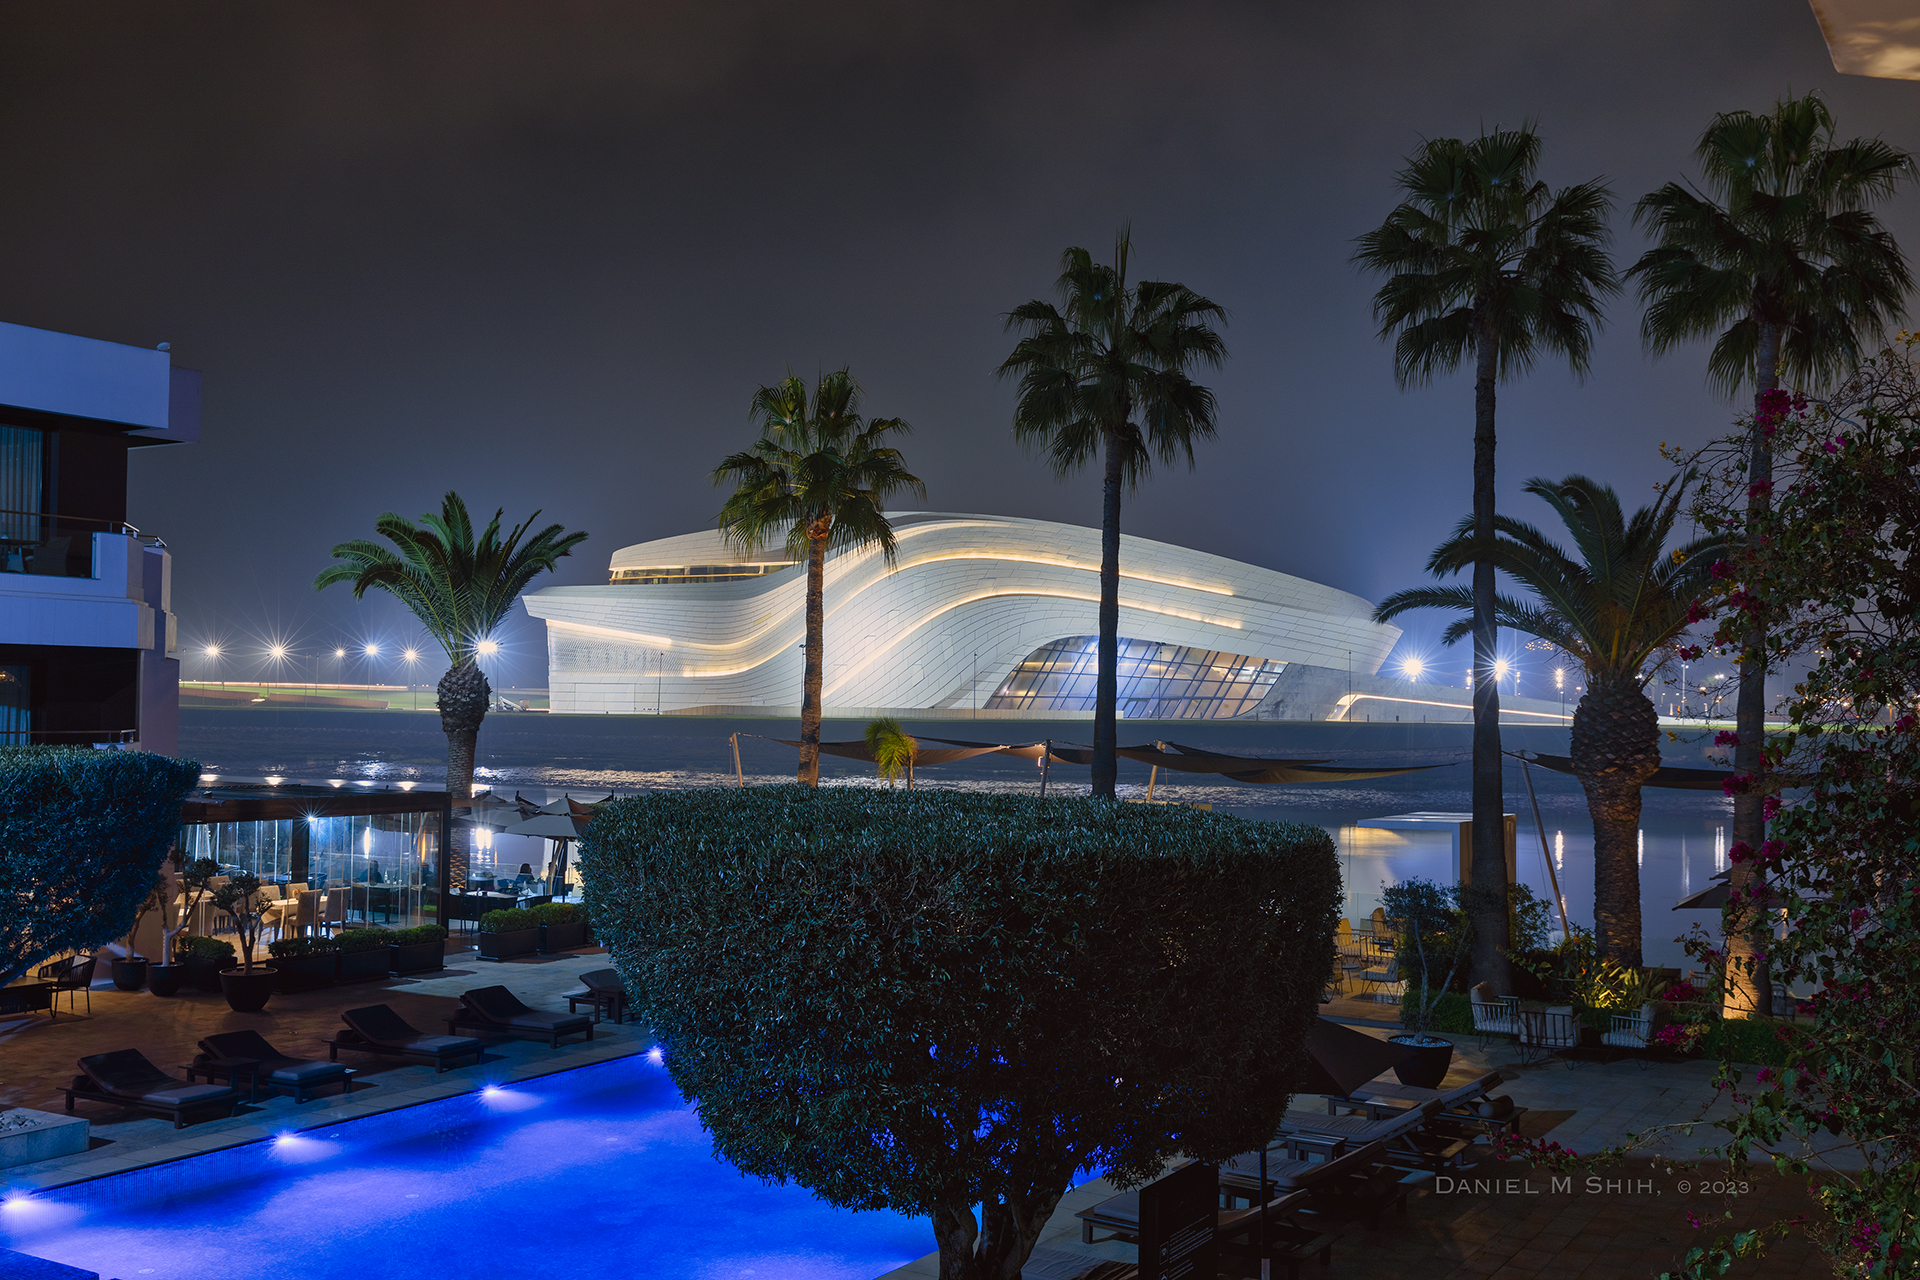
<point>1106,689</point>
<point>1487,893</point>
<point>1749,988</point>
<point>464,697</point>
<point>816,630</point>
<point>1616,748</point>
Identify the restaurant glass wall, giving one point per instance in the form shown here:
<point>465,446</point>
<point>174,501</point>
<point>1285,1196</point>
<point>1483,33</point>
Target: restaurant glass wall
<point>370,869</point>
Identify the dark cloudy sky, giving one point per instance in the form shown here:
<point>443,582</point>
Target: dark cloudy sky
<point>543,253</point>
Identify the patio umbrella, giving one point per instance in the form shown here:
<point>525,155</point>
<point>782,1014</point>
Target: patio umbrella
<point>487,810</point>
<point>1340,1059</point>
<point>560,828</point>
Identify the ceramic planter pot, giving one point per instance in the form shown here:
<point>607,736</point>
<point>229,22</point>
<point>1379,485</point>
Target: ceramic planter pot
<point>203,973</point>
<point>248,992</point>
<point>305,973</point>
<point>363,966</point>
<point>418,957</point>
<point>1426,1066</point>
<point>562,937</point>
<point>165,979</point>
<point>130,974</point>
<point>505,946</point>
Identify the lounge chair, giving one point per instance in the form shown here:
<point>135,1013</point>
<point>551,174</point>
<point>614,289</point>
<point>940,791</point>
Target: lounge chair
<point>1360,1183</point>
<point>1493,1015</point>
<point>75,973</point>
<point>1545,1032</point>
<point>1377,979</point>
<point>125,1078</point>
<point>1409,1142</point>
<point>224,1053</point>
<point>498,1010</point>
<point>378,1029</point>
<point>1470,1103</point>
<point>1067,1264</point>
<point>1633,1034</point>
<point>604,992</point>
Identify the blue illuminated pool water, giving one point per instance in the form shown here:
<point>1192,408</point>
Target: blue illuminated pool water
<point>597,1172</point>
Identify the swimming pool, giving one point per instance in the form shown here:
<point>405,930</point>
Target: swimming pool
<point>601,1171</point>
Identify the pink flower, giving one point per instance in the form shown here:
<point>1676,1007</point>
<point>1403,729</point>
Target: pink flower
<point>1726,738</point>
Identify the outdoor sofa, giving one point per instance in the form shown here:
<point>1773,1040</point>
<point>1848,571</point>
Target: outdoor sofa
<point>500,1012</point>
<point>230,1052</point>
<point>124,1078</point>
<point>378,1029</point>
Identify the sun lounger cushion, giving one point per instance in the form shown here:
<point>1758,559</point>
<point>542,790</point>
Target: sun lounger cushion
<point>126,1073</point>
<point>501,1007</point>
<point>275,1066</point>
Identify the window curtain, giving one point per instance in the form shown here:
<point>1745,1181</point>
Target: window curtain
<point>22,454</point>
<point>16,705</point>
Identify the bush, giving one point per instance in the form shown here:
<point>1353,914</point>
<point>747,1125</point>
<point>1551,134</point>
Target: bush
<point>292,948</point>
<point>195,947</point>
<point>82,837</point>
<point>507,920</point>
<point>927,1001</point>
<point>1751,1040</point>
<point>555,912</point>
<point>352,941</point>
<point>417,935</point>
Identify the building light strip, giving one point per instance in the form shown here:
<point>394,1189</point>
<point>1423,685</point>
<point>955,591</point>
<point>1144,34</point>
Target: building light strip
<point>1058,564</point>
<point>1344,707</point>
<point>659,642</point>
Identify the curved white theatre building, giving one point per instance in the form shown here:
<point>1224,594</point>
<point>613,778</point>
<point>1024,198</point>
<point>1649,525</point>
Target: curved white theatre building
<point>986,615</point>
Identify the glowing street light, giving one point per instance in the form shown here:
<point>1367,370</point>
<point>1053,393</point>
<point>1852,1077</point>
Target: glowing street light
<point>412,656</point>
<point>487,648</point>
<point>278,652</point>
<point>1412,668</point>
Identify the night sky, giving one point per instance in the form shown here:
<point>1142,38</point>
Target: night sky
<point>542,254</point>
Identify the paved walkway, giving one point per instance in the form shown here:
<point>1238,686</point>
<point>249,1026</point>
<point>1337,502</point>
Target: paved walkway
<point>37,1057</point>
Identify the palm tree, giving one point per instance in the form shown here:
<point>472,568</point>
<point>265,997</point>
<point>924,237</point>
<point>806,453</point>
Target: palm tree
<point>1780,262</point>
<point>892,749</point>
<point>460,588</point>
<point>1107,370</point>
<point>1484,262</point>
<point>821,474</point>
<point>1615,608</point>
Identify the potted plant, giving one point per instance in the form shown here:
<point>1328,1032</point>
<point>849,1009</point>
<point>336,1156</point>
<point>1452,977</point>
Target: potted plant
<point>304,963</point>
<point>417,950</point>
<point>185,887</point>
<point>507,933</point>
<point>202,960</point>
<point>363,954</point>
<point>130,971</point>
<point>562,926</point>
<point>1433,931</point>
<point>247,988</point>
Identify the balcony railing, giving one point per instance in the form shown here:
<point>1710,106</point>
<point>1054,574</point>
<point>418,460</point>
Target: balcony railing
<point>34,542</point>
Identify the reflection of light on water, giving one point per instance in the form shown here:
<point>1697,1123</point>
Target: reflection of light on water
<point>1640,851</point>
<point>1719,849</point>
<point>498,1099</point>
<point>1559,851</point>
<point>297,1148</point>
<point>1686,870</point>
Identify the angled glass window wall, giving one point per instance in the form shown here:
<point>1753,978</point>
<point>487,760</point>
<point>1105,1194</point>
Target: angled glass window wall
<point>1156,681</point>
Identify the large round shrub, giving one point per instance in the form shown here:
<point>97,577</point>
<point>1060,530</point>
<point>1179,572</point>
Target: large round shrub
<point>82,836</point>
<point>929,1001</point>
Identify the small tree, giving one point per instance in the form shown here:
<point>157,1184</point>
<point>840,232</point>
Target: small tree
<point>155,900</point>
<point>933,1001</point>
<point>82,834</point>
<point>1430,918</point>
<point>892,750</point>
<point>190,884</point>
<point>241,898</point>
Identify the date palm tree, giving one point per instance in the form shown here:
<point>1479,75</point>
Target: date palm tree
<point>1485,264</point>
<point>820,475</point>
<point>460,587</point>
<point>1780,262</point>
<point>1106,374</point>
<point>1615,606</point>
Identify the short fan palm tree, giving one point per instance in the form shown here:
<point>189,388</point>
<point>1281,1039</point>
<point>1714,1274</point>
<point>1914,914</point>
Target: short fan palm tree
<point>1106,373</point>
<point>460,587</point>
<point>1615,605</point>
<point>819,476</point>
<point>1486,264</point>
<point>892,749</point>
<point>1780,262</point>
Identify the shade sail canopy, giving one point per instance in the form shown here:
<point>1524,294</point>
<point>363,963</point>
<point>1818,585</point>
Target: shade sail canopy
<point>1665,776</point>
<point>1255,769</point>
<point>921,757</point>
<point>550,826</point>
<point>1340,1059</point>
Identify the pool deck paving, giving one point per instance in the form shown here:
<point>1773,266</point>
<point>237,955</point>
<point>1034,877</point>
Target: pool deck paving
<point>38,1056</point>
<point>1504,1220</point>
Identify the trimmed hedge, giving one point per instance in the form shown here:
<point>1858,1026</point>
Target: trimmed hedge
<point>932,1000</point>
<point>508,919</point>
<point>353,941</point>
<point>196,947</point>
<point>290,948</point>
<point>416,935</point>
<point>82,837</point>
<point>555,913</point>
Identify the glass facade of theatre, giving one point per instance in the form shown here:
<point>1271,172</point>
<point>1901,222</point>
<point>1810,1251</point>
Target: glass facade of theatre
<point>1156,681</point>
